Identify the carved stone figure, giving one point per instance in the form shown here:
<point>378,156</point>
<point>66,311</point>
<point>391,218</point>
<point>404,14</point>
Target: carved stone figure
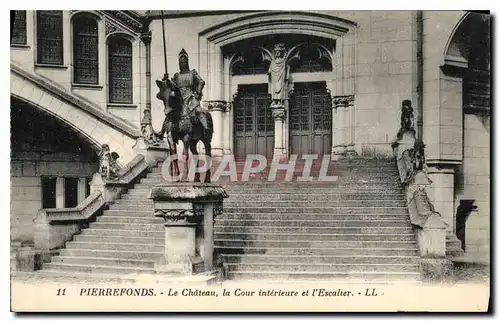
<point>108,166</point>
<point>280,82</point>
<point>151,138</point>
<point>407,115</point>
<point>185,119</point>
<point>190,86</point>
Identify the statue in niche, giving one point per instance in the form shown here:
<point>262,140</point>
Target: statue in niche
<point>280,82</point>
<point>108,165</point>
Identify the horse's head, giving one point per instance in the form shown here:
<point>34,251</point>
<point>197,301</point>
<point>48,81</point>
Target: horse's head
<point>168,95</point>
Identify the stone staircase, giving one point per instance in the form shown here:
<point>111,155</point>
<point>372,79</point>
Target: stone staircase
<point>125,239</point>
<point>354,228</point>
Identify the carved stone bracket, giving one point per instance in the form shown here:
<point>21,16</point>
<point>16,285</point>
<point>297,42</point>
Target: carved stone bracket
<point>279,114</point>
<point>146,37</point>
<point>217,105</point>
<point>178,216</point>
<point>343,101</point>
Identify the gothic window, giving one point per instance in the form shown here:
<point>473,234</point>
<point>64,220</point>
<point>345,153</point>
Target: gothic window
<point>49,37</point>
<point>19,28</point>
<point>120,70</point>
<point>310,61</point>
<point>85,50</point>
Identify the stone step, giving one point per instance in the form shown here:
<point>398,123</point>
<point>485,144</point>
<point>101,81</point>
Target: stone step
<point>85,236</point>
<point>130,212</point>
<point>289,235</point>
<point>310,189</point>
<point>139,202</point>
<point>102,261</point>
<point>304,196</point>
<point>108,218</point>
<point>321,267</point>
<point>353,181</point>
<point>312,216</point>
<point>124,232</point>
<point>118,270</point>
<point>104,253</point>
<point>128,245</point>
<point>312,223</point>
<point>132,207</point>
<point>315,173</point>
<point>315,244</point>
<point>219,228</point>
<point>313,209</point>
<point>299,260</point>
<point>126,226</point>
<point>233,202</point>
<point>341,277</point>
<point>322,251</point>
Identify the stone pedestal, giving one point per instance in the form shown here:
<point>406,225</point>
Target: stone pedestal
<point>189,211</point>
<point>279,115</point>
<point>152,154</point>
<point>109,192</point>
<point>432,238</point>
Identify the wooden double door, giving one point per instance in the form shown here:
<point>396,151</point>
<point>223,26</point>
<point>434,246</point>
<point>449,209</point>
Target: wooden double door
<point>310,123</point>
<point>310,120</point>
<point>253,122</point>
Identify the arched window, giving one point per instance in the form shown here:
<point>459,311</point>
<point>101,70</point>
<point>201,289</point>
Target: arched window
<point>49,37</point>
<point>120,70</point>
<point>85,50</point>
<point>19,28</point>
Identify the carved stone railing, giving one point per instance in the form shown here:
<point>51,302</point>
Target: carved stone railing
<point>429,224</point>
<point>54,227</point>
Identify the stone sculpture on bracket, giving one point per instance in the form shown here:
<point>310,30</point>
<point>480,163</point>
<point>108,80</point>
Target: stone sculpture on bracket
<point>280,82</point>
<point>151,137</point>
<point>108,165</point>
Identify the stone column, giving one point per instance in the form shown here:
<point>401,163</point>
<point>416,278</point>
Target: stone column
<point>60,200</point>
<point>339,147</point>
<point>441,193</point>
<point>82,189</point>
<point>189,211</point>
<point>217,110</point>
<point>228,132</point>
<point>350,148</point>
<point>335,131</point>
<point>279,115</point>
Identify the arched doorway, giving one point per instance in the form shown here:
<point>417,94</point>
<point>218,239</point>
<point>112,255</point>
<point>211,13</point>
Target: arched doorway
<point>51,166</point>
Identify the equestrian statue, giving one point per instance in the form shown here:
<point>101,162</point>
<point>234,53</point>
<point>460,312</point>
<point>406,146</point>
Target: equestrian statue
<point>185,119</point>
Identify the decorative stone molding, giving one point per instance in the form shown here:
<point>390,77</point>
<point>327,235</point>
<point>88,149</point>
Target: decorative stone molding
<point>217,105</point>
<point>127,18</point>
<point>146,37</point>
<point>178,216</point>
<point>111,27</point>
<point>279,114</point>
<point>343,101</point>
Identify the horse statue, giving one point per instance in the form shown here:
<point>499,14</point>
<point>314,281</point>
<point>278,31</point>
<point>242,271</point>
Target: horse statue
<point>185,119</point>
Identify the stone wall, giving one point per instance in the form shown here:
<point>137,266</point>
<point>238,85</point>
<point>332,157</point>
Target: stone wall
<point>26,190</point>
<point>473,182</point>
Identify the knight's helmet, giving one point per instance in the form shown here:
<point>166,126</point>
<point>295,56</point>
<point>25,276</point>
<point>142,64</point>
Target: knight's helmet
<point>183,60</point>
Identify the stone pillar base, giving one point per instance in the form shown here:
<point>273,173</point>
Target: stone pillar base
<point>189,211</point>
<point>152,154</point>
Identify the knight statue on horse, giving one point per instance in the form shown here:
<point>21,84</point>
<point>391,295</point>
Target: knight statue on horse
<point>185,119</point>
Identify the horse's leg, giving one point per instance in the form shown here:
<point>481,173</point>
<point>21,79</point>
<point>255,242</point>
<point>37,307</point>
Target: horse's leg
<point>194,151</point>
<point>185,153</point>
<point>208,153</point>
